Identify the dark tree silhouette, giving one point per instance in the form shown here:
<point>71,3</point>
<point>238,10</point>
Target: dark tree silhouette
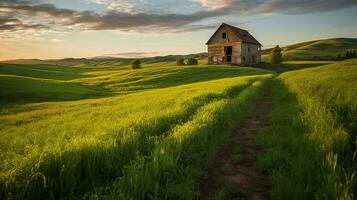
<point>276,55</point>
<point>180,61</point>
<point>136,64</point>
<point>192,61</point>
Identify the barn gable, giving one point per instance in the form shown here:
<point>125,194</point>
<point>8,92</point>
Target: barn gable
<point>217,37</point>
<point>235,34</point>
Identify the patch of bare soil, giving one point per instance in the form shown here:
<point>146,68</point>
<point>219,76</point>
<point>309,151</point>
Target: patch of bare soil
<point>234,174</point>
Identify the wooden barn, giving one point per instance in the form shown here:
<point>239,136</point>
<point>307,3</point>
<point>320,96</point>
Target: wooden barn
<point>232,45</point>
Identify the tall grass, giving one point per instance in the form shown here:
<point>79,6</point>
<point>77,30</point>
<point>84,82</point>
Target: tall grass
<point>172,170</point>
<point>311,143</point>
<point>65,149</point>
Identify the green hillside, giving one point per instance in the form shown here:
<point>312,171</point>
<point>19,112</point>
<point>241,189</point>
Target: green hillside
<point>114,118</point>
<point>105,131</point>
<point>324,49</point>
<point>37,83</point>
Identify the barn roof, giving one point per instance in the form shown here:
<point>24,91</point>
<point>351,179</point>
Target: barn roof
<point>242,34</point>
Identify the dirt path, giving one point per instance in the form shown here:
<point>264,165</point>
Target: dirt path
<point>234,174</point>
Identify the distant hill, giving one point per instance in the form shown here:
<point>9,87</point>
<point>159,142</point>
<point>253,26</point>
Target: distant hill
<point>65,61</point>
<point>100,60</point>
<point>325,49</point>
<point>318,49</point>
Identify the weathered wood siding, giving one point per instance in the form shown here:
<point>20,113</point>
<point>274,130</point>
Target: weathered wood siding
<point>216,47</point>
<point>250,54</point>
<point>237,54</point>
<point>242,53</point>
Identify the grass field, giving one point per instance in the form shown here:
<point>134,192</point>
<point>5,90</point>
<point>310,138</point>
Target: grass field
<point>311,137</point>
<point>72,131</point>
<point>293,65</point>
<point>105,131</point>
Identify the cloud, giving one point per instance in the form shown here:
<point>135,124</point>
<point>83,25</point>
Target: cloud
<point>18,15</point>
<point>112,20</point>
<point>214,4</point>
<point>125,6</point>
<point>9,24</point>
<point>276,6</point>
<point>142,21</point>
<point>20,2</point>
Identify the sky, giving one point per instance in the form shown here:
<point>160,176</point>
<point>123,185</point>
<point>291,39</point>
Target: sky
<point>53,29</point>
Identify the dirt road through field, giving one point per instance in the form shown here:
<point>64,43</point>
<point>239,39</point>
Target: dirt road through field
<point>234,174</point>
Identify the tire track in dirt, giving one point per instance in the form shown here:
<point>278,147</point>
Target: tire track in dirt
<point>234,174</point>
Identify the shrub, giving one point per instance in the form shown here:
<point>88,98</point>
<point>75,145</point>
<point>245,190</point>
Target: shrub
<point>276,55</point>
<point>192,61</point>
<point>180,61</point>
<point>136,64</point>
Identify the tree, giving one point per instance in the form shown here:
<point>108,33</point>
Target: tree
<point>276,55</point>
<point>136,64</point>
<point>180,61</point>
<point>354,54</point>
<point>348,55</point>
<point>192,61</point>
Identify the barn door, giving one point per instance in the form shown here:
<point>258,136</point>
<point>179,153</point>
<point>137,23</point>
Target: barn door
<point>228,54</point>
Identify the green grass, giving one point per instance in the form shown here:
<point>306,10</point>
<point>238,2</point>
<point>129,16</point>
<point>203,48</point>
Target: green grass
<point>311,136</point>
<point>322,48</point>
<point>169,173</point>
<point>17,89</point>
<point>105,131</point>
<point>237,158</point>
<point>293,65</point>
<point>40,83</point>
<point>66,132</point>
<point>42,71</point>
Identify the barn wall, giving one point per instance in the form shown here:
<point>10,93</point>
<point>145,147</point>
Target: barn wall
<point>217,44</point>
<point>248,51</point>
<point>216,53</point>
<point>237,54</point>
<point>240,50</point>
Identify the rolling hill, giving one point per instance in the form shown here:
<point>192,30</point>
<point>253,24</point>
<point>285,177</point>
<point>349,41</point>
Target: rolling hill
<point>105,130</point>
<point>96,121</point>
<point>317,49</point>
<point>100,60</point>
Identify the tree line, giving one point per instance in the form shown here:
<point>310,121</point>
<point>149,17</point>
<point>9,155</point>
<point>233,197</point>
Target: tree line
<point>350,54</point>
<point>180,61</point>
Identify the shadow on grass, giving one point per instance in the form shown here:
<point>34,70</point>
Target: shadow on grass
<point>284,67</point>
<point>302,162</point>
<point>187,75</point>
<point>86,167</point>
<point>293,160</point>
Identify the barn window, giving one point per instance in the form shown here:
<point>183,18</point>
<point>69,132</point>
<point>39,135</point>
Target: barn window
<point>248,49</point>
<point>224,35</point>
